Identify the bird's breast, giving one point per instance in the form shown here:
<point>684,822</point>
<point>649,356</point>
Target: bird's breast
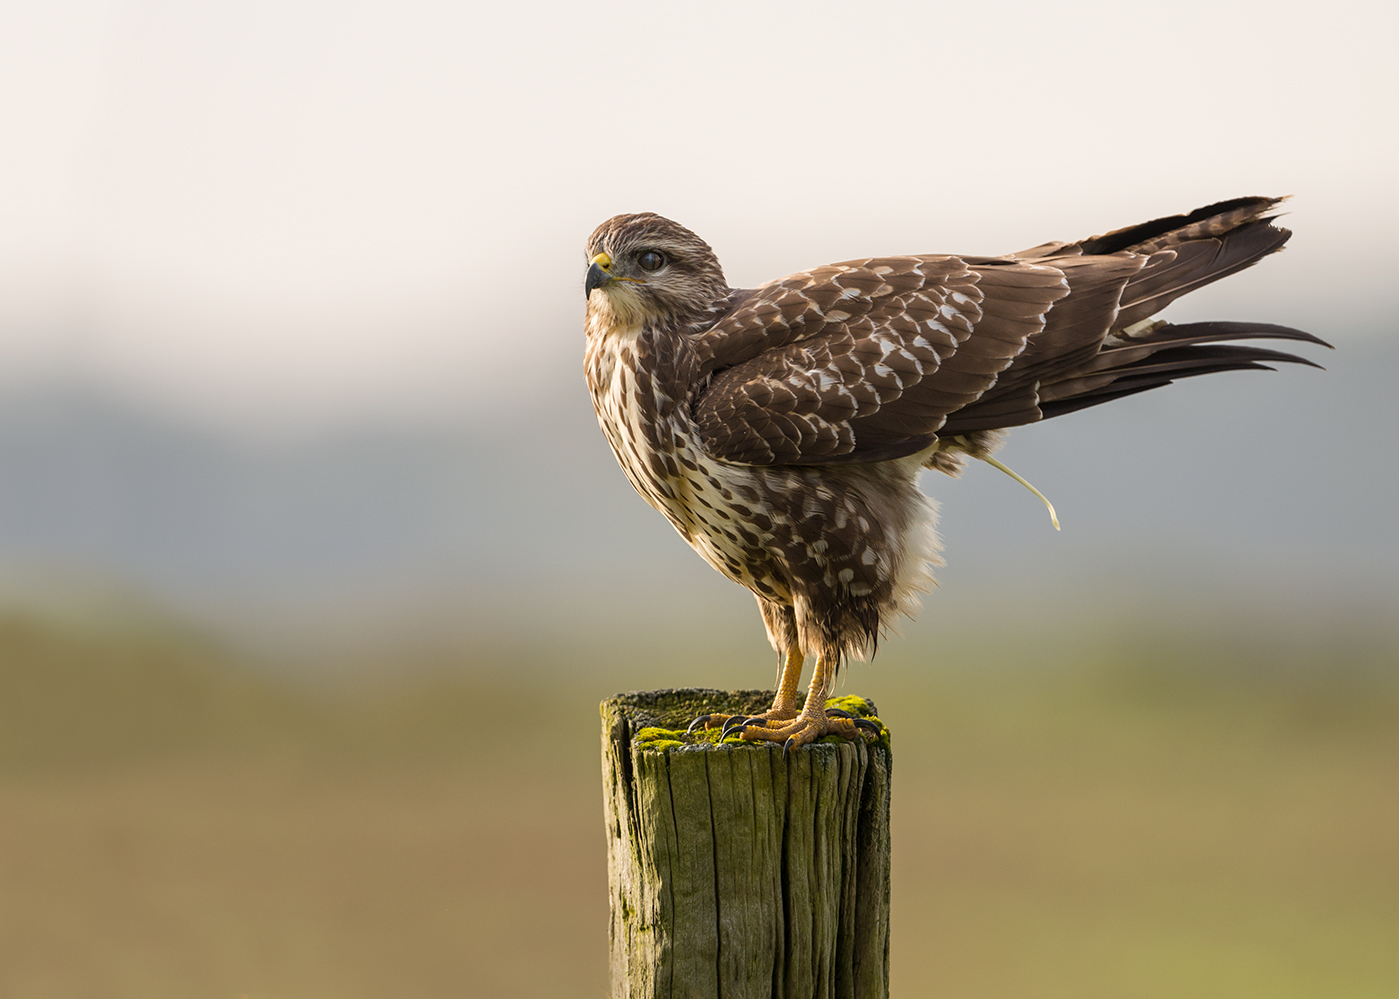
<point>641,407</point>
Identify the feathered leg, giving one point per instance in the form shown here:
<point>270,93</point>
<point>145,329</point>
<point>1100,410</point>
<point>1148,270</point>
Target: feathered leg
<point>825,633</point>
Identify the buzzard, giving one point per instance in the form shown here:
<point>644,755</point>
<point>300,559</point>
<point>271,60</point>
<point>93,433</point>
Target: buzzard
<point>782,429</point>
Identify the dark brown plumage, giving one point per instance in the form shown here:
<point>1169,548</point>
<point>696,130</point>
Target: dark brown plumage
<point>782,429</point>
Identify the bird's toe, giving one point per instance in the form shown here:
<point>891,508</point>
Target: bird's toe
<point>704,721</point>
<point>807,728</point>
<point>738,722</point>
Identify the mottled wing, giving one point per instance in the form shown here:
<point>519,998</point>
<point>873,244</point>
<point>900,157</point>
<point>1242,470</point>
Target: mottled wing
<point>1073,335</point>
<point>865,360</point>
<point>1120,279</point>
<point>873,359</point>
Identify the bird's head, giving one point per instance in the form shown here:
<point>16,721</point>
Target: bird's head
<point>645,270</point>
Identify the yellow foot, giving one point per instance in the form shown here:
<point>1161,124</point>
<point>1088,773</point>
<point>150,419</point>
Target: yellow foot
<point>730,722</point>
<point>808,727</point>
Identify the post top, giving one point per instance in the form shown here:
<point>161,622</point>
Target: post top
<point>657,719</point>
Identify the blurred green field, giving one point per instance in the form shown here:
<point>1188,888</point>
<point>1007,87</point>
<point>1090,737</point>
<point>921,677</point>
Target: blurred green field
<point>1136,810</point>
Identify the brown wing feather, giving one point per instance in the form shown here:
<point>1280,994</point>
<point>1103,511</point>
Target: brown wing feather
<point>1173,255</point>
<point>863,361</point>
<point>875,359</point>
<point>1073,335</point>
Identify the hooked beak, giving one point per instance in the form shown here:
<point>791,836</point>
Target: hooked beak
<point>598,274</point>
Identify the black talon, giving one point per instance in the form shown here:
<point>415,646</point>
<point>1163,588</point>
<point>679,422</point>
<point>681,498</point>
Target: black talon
<point>869,726</point>
<point>699,722</point>
<point>788,744</point>
<point>736,722</point>
<point>838,713</point>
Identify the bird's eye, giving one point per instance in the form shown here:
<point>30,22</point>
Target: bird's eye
<point>651,260</point>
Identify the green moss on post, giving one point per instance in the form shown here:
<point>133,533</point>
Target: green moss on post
<point>736,871</point>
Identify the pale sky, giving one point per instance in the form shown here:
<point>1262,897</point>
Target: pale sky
<point>298,213</point>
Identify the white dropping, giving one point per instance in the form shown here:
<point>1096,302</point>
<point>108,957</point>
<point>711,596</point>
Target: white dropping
<point>1053,517</point>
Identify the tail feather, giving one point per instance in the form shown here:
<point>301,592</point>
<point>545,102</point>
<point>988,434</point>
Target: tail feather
<point>1163,355</point>
<point>1066,369</point>
<point>1179,268</point>
<point>1171,230</point>
<point>1213,331</point>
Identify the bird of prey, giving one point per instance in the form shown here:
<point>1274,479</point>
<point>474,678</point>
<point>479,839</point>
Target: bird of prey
<point>782,429</point>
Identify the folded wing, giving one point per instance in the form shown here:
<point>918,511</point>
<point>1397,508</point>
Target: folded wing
<point>875,359</point>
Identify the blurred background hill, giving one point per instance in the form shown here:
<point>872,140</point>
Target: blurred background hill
<point>1270,491</point>
<point>314,566</point>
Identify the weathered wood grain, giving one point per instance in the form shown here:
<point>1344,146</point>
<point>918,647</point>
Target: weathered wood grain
<point>736,870</point>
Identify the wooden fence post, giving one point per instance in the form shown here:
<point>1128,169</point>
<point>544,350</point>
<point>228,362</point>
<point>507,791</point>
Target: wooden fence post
<point>736,871</point>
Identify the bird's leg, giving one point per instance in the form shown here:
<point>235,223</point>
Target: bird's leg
<point>784,705</point>
<point>813,721</point>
